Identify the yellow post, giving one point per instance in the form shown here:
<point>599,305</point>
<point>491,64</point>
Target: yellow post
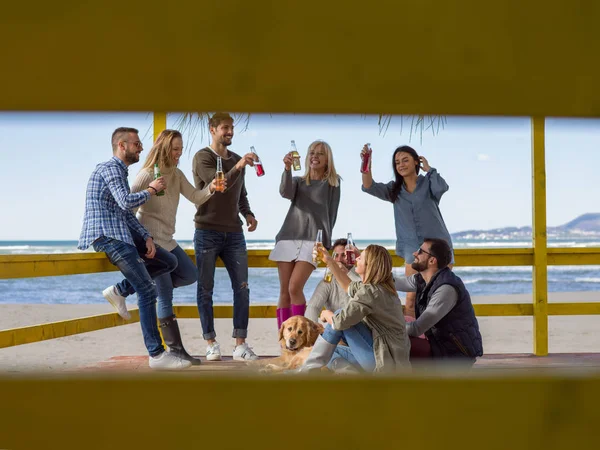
<point>160,123</point>
<point>540,255</point>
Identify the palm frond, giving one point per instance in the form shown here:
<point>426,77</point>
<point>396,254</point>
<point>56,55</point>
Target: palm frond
<point>194,123</point>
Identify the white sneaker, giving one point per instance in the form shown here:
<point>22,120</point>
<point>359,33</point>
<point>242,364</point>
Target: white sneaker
<point>118,301</point>
<point>213,352</point>
<point>243,352</point>
<point>168,361</point>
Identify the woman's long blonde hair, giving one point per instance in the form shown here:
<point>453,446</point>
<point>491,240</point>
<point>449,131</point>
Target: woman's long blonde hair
<point>161,150</point>
<point>330,174</point>
<point>378,268</point>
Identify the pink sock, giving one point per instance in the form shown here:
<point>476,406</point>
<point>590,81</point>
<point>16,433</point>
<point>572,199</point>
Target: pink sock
<point>298,310</point>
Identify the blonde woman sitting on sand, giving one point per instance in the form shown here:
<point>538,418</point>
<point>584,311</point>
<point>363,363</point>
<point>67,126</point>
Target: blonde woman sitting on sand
<point>372,323</point>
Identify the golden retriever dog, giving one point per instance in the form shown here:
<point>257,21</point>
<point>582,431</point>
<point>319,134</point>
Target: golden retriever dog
<point>297,335</point>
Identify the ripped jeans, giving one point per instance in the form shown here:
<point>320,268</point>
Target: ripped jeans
<point>231,248</point>
<point>139,273</point>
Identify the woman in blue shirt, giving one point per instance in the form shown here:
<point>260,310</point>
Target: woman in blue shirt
<point>416,201</point>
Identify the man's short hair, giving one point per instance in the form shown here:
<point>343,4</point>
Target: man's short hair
<point>441,250</point>
<point>340,241</point>
<point>217,118</point>
<point>119,134</point>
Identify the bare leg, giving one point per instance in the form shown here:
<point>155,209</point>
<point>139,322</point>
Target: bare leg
<point>411,297</point>
<point>302,271</point>
<point>285,270</point>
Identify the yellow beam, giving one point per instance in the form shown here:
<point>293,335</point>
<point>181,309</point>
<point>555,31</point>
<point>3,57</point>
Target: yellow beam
<point>25,266</point>
<point>159,123</point>
<point>472,57</point>
<point>540,258</point>
<point>521,412</point>
<point>43,332</point>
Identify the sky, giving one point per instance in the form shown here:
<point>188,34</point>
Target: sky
<point>47,158</point>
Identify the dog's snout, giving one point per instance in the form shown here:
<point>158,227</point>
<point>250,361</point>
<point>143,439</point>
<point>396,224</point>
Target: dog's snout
<point>292,341</point>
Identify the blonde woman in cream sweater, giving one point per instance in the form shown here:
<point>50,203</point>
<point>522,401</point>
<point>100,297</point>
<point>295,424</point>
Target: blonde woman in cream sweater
<point>158,216</point>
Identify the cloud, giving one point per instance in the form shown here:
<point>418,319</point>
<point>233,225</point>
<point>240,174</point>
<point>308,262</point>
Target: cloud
<point>483,157</point>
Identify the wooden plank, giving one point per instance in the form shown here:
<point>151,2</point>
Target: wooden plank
<point>542,411</point>
<point>540,259</point>
<point>468,57</point>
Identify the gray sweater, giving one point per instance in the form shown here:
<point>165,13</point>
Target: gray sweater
<point>314,207</point>
<point>329,296</point>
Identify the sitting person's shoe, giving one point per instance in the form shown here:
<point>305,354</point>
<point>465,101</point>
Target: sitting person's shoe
<point>117,300</point>
<point>213,352</point>
<point>168,361</point>
<point>243,352</point>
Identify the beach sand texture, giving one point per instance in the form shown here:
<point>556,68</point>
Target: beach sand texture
<point>567,334</point>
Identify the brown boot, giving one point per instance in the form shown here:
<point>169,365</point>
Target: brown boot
<point>172,336</point>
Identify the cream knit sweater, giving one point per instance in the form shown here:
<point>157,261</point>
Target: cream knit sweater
<point>158,214</point>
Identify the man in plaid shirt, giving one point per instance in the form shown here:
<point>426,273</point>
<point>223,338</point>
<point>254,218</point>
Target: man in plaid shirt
<point>110,226</point>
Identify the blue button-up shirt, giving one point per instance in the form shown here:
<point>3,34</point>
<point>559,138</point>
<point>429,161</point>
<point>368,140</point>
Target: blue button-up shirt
<point>417,214</point>
<point>108,204</point>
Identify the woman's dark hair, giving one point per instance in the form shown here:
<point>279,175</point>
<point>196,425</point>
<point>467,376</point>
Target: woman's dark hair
<point>397,186</point>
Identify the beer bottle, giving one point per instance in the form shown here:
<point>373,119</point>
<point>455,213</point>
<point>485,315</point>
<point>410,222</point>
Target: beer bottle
<point>220,176</point>
<point>328,274</point>
<point>318,244</point>
<point>350,255</point>
<point>296,157</point>
<point>366,159</point>
<point>157,175</point>
<point>260,170</point>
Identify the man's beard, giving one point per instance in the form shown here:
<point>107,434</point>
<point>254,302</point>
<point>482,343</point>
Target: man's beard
<point>226,142</point>
<point>419,267</point>
<point>132,157</point>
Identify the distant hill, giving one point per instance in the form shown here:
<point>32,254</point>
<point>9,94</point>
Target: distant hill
<point>586,225</point>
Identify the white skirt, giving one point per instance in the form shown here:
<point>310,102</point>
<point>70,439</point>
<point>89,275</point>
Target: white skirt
<point>288,251</point>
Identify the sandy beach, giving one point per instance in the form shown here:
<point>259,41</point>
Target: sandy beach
<point>500,334</point>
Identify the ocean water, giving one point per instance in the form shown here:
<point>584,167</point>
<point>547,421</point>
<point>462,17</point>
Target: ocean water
<point>264,283</point>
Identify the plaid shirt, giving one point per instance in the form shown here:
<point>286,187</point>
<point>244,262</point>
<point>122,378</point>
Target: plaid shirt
<point>108,204</point>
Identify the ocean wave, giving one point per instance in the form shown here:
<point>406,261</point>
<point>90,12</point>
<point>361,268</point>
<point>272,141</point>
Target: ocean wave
<point>587,280</point>
<point>500,281</point>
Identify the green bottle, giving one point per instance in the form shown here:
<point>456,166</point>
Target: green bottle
<point>157,175</point>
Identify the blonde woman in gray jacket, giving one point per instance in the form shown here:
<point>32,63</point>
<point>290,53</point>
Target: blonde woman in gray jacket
<point>372,323</point>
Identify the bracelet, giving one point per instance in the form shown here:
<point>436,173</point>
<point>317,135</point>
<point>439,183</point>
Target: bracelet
<point>153,188</point>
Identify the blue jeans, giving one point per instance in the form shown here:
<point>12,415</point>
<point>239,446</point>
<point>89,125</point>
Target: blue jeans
<point>360,345</point>
<point>138,272</point>
<point>184,275</point>
<point>231,248</point>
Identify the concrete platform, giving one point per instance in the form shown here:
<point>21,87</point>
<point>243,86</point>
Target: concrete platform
<point>565,361</point>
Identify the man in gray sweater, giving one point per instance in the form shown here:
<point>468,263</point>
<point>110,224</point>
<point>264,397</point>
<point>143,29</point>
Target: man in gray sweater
<point>330,295</point>
<point>219,233</point>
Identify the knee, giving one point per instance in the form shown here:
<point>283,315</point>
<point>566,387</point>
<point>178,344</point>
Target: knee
<point>295,289</point>
<point>186,279</point>
<point>147,295</point>
<point>172,263</point>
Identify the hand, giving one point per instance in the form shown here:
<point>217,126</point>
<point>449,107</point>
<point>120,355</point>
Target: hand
<point>424,164</point>
<point>342,267</point>
<point>213,185</point>
<point>323,254</point>
<point>247,160</point>
<point>159,184</point>
<point>288,161</point>
<point>251,222</point>
<point>356,251</point>
<point>151,248</point>
<point>326,316</point>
